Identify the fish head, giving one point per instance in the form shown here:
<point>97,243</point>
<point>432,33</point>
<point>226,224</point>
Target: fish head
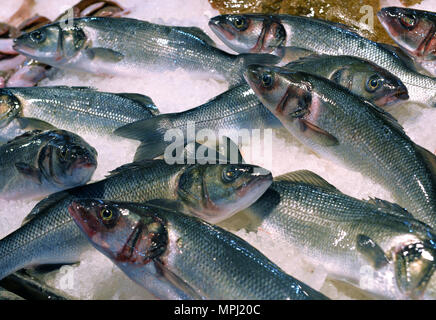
<point>414,260</point>
<point>371,82</point>
<point>119,231</point>
<point>53,44</point>
<point>67,160</point>
<point>249,33</point>
<point>214,192</point>
<point>283,92</point>
<point>411,29</point>
<point>10,107</point>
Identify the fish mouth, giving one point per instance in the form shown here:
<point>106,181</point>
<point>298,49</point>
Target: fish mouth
<point>81,216</point>
<point>220,29</point>
<point>392,98</point>
<point>262,176</point>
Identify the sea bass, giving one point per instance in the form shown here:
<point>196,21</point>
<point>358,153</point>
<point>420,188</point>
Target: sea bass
<point>38,163</point>
<point>348,130</point>
<point>225,115</point>
<point>414,31</point>
<point>238,108</point>
<point>175,256</point>
<point>77,109</point>
<point>122,46</point>
<point>350,238</point>
<point>267,33</point>
<point>211,192</point>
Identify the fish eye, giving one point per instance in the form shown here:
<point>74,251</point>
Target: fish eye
<point>373,83</point>
<point>240,23</point>
<point>106,214</point>
<point>267,79</point>
<point>37,36</point>
<point>231,174</point>
<point>408,21</point>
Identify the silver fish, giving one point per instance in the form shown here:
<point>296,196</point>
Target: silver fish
<point>375,245</point>
<point>225,115</point>
<point>348,130</point>
<point>267,33</point>
<point>38,163</point>
<point>123,46</point>
<point>77,109</point>
<point>211,191</point>
<point>179,257</point>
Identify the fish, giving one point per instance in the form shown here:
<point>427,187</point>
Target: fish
<point>175,256</point>
<point>38,163</point>
<point>360,76</point>
<point>212,192</point>
<point>372,244</point>
<point>350,131</point>
<point>414,31</point>
<point>76,109</point>
<point>123,46</point>
<point>228,114</point>
<point>268,33</point>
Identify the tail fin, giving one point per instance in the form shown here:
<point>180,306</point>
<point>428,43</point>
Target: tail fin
<point>151,133</point>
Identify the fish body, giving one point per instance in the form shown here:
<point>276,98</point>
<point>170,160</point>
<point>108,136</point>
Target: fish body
<point>41,162</point>
<point>200,259</point>
<point>321,37</point>
<point>225,115</point>
<point>123,46</point>
<point>77,109</point>
<point>348,130</point>
<point>212,192</point>
<point>332,229</point>
<point>414,31</point>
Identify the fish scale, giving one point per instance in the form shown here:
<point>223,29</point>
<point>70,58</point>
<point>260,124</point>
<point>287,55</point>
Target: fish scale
<point>202,260</point>
<point>138,182</point>
<point>124,46</point>
<point>361,136</point>
<point>54,225</point>
<point>78,109</point>
<point>326,38</point>
<point>323,224</point>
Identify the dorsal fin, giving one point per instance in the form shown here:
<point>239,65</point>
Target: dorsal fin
<point>386,116</point>
<point>429,158</point>
<point>45,203</point>
<point>390,207</point>
<point>405,58</point>
<point>144,100</point>
<point>197,32</point>
<point>135,166</point>
<point>84,88</point>
<point>340,25</point>
<point>307,59</point>
<point>307,177</point>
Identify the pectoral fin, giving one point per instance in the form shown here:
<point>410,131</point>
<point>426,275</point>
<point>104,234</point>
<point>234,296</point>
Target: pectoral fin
<point>104,54</point>
<point>317,134</point>
<point>372,251</point>
<point>34,124</point>
<point>29,172</point>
